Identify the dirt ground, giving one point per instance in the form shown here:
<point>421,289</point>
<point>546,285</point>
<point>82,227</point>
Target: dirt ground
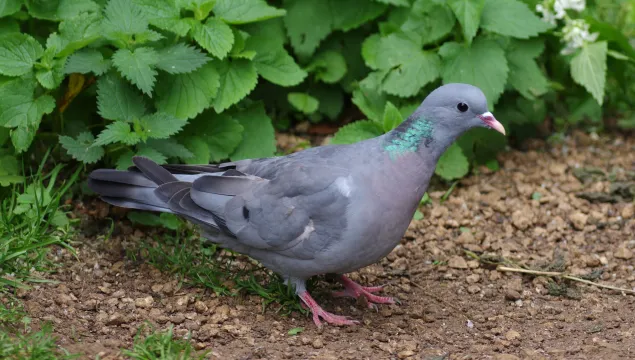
<point>453,306</point>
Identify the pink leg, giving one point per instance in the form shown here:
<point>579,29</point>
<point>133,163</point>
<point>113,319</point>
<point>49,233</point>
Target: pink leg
<point>318,312</point>
<point>353,289</point>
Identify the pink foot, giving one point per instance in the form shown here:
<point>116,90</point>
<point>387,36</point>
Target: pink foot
<point>318,312</point>
<point>355,290</point>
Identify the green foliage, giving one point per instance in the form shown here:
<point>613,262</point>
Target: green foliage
<point>37,345</point>
<point>162,345</point>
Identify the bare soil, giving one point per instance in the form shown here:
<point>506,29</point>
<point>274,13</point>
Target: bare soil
<point>453,306</point>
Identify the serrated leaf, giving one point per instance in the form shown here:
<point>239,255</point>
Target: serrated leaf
<point>22,136</point>
<point>237,79</point>
<point>303,102</point>
<point>258,140</point>
<point>186,95</point>
<point>85,61</point>
<point>357,131</point>
<point>588,68</point>
<point>428,22</point>
<point>468,12</point>
<point>221,133</point>
<point>453,164</point>
<point>124,17</point>
<point>9,7</point>
<point>245,11</point>
<point>512,18</point>
<point>138,67</point>
<point>57,10</point>
<point>369,97</point>
<point>273,63</point>
<point>328,66</point>
<point>524,74</point>
<point>118,131</point>
<point>116,100</point>
<point>170,148</point>
<point>180,59</point>
<point>81,148</point>
<point>331,99</point>
<point>9,171</point>
<point>350,14</point>
<point>392,117</point>
<point>151,154</point>
<point>214,36</point>
<point>18,54</point>
<point>200,8</point>
<point>161,125</point>
<point>165,15</point>
<point>19,108</point>
<point>78,31</point>
<point>395,2</point>
<point>199,149</point>
<point>483,64</point>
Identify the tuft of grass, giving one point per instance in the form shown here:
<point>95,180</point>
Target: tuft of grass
<point>39,345</point>
<point>161,345</point>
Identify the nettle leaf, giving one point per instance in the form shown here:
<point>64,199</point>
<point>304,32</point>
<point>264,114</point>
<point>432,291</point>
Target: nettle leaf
<point>482,64</point>
<point>331,99</point>
<point>9,170</point>
<point>303,102</point>
<point>52,77</point>
<point>468,12</point>
<point>357,131</point>
<point>245,11</point>
<point>116,100</point>
<point>214,36</point>
<point>220,132</point>
<point>138,67</point>
<point>395,2</point>
<point>57,10</point>
<point>524,74</point>
<point>79,31</point>
<point>201,8</point>
<point>368,97</point>
<point>185,95</point>
<point>180,59</point>
<point>170,148</point>
<point>125,17</point>
<point>428,22</point>
<point>81,148</point>
<point>165,15</point>
<point>272,61</point>
<point>258,136</point>
<point>85,61</point>
<point>161,125</point>
<point>152,154</point>
<point>18,54</point>
<point>328,66</point>
<point>199,149</point>
<point>588,68</point>
<point>351,14</point>
<point>406,68</point>
<point>238,78</point>
<point>392,117</point>
<point>9,7</point>
<point>512,18</point>
<point>118,131</point>
<point>453,164</point>
<point>8,26</point>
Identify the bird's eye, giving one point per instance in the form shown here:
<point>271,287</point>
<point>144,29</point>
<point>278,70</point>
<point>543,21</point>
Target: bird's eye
<point>462,107</point>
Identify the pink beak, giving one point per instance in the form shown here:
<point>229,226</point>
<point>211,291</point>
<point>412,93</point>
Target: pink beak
<point>489,120</point>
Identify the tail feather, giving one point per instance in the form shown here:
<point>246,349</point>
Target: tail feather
<point>153,170</point>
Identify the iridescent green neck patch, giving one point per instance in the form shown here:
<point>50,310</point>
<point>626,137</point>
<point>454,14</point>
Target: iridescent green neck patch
<point>408,138</point>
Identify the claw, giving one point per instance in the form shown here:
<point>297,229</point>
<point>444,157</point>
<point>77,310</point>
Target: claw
<point>318,312</point>
<point>355,290</point>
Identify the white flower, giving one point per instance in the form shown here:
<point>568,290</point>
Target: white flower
<point>577,5</point>
<point>553,10</point>
<point>547,15</point>
<point>575,35</point>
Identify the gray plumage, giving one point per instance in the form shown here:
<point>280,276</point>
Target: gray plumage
<point>327,209</point>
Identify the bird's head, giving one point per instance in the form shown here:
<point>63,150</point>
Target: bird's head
<point>457,108</point>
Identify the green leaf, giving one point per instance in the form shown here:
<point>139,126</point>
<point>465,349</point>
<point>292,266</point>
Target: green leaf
<point>524,74</point>
<point>512,18</point>
<point>165,15</point>
<point>329,66</point>
<point>295,331</point>
<point>51,78</point>
<point>588,68</point>
<point>78,31</point>
<point>453,164</point>
<point>161,125</point>
<point>81,148</point>
<point>151,154</point>
<point>186,95</point>
<point>9,171</point>
<point>272,61</point>
<point>331,99</point>
<point>482,64</point>
<point>303,102</point>
<point>180,59</point>
<point>368,97</point>
<point>169,148</point>
<point>198,147</point>
<point>221,133</point>
<point>85,61</point>
<point>144,218</point>
<point>118,131</point>
<point>392,117</point>
<point>201,8</point>
<point>238,78</point>
<point>357,131</point>
<point>57,10</point>
<point>258,136</point>
<point>468,12</point>
<point>214,36</point>
<point>18,54</point>
<point>138,67</point>
<point>21,110</point>
<point>124,17</point>
<point>9,7</point>
<point>116,100</point>
<point>395,2</point>
<point>428,22</point>
<point>8,26</point>
<point>245,11</point>
<point>350,14</point>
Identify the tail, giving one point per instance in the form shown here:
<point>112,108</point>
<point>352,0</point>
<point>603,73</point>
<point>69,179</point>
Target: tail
<point>149,186</point>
